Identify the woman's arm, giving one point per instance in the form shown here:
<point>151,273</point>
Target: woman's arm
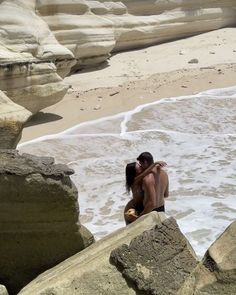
<point>148,170</point>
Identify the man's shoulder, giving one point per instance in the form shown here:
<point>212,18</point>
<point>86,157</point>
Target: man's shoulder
<point>149,178</point>
<point>164,173</point>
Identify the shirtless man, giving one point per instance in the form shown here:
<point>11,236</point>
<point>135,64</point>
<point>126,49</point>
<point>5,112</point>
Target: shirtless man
<point>155,185</point>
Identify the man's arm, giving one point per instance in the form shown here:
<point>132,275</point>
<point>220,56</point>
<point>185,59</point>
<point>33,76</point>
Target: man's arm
<point>166,193</point>
<point>149,194</point>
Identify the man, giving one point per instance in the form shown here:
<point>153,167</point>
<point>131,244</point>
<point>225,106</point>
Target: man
<point>155,185</point>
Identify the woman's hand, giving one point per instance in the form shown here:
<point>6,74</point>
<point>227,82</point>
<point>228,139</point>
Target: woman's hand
<point>161,163</point>
<point>131,215</point>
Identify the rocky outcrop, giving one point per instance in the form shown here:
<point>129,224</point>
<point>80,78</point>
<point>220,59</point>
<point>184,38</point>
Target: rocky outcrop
<point>149,256</point>
<point>39,224</point>
<point>152,7</point>
<point>93,271</point>
<point>216,274</point>
<point>12,119</point>
<point>81,27</point>
<point>93,29</point>
<point>34,86</point>
<point>157,261</point>
<point>32,62</point>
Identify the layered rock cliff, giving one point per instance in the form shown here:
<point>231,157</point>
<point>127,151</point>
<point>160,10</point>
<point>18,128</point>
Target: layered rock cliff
<point>28,56</point>
<point>39,219</point>
<point>42,41</point>
<point>93,29</point>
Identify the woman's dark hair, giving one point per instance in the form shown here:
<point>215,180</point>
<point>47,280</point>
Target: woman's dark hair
<point>130,173</point>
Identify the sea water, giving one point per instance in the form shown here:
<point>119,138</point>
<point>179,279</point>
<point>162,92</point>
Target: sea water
<point>195,135</point>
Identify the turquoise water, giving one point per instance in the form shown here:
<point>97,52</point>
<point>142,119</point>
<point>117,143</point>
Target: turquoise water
<point>195,135</point>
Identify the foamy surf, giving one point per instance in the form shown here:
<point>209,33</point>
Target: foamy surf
<point>195,135</point>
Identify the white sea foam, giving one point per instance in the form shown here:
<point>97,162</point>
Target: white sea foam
<point>195,135</point>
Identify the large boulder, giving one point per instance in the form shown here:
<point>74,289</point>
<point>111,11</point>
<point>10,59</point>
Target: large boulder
<point>93,271</point>
<point>39,225</point>
<point>216,274</point>
<point>158,261</point>
<point>12,119</point>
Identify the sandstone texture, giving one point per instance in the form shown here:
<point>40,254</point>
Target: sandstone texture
<point>39,225</point>
<point>34,86</point>
<point>158,261</point>
<point>12,119</point>
<point>216,274</point>
<point>149,256</point>
<point>3,290</point>
<point>94,29</point>
<point>29,54</point>
<point>90,271</point>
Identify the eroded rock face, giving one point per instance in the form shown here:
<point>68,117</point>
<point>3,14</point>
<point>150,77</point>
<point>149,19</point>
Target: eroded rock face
<point>78,25</point>
<point>91,272</point>
<point>31,67</point>
<point>93,29</point>
<point>12,119</point>
<point>216,274</point>
<point>158,261</point>
<point>39,225</point>
<point>26,34</point>
<point>34,86</point>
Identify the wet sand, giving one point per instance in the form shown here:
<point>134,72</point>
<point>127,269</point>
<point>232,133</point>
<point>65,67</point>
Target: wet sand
<point>128,79</point>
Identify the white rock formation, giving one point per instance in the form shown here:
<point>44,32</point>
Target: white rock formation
<point>93,29</point>
<point>32,85</point>
<point>29,53</point>
<point>41,40</point>
<point>75,25</point>
<point>12,119</point>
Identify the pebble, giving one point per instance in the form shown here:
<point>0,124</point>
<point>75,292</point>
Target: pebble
<point>193,61</point>
<point>114,93</point>
<point>97,107</point>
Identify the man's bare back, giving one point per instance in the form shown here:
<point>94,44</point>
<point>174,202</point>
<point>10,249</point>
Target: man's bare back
<point>156,189</point>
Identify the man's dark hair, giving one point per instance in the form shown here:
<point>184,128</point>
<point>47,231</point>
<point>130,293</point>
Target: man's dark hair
<point>146,156</point>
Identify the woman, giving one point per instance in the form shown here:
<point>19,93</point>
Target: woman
<point>134,176</point>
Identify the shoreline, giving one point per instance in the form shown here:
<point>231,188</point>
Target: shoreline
<point>139,77</point>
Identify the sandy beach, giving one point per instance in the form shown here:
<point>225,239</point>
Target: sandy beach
<point>129,79</point>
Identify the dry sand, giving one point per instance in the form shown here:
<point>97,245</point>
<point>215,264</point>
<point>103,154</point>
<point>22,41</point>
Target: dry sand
<point>137,77</point>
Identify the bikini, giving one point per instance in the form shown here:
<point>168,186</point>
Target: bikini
<point>159,209</point>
